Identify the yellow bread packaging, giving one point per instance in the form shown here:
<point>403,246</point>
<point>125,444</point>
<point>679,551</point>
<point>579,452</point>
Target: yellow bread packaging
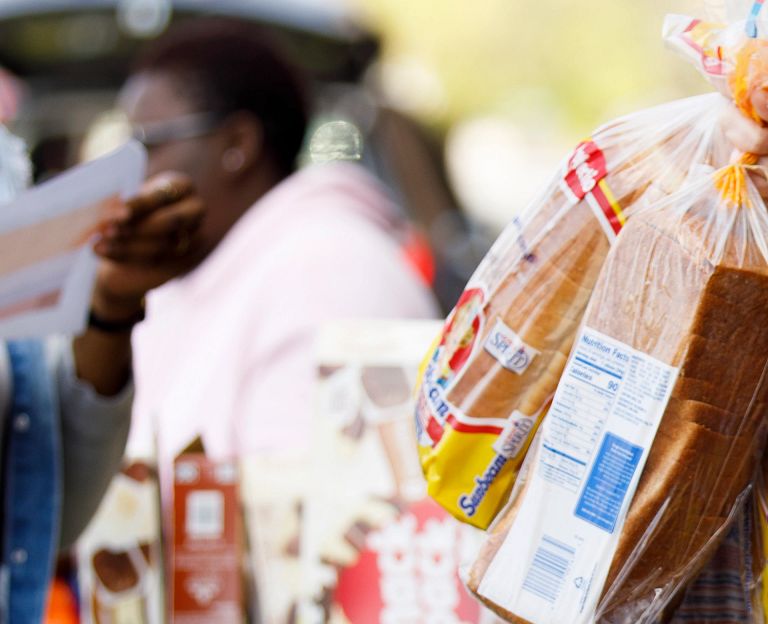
<point>486,383</point>
<point>657,426</point>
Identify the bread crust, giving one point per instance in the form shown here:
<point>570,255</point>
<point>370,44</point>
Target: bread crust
<point>662,292</point>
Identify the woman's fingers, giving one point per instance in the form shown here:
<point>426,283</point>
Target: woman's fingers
<point>743,133</point>
<point>147,250</point>
<point>161,222</point>
<point>160,190</point>
<point>184,215</point>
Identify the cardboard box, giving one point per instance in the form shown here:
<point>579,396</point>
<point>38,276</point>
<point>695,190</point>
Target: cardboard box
<point>274,489</point>
<point>207,544</point>
<point>374,547</point>
<point>118,557</point>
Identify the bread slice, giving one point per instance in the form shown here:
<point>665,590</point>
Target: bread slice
<point>664,291</point>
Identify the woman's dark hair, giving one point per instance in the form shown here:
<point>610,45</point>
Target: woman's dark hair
<point>224,65</point>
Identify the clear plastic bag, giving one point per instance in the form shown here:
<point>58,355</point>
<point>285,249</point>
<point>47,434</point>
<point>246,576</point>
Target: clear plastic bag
<point>730,588</point>
<point>732,56</point>
<point>656,429</point>
<point>660,473</point>
<point>486,384</point>
<point>731,51</point>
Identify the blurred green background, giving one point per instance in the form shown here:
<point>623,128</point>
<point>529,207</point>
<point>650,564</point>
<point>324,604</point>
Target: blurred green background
<point>559,63</point>
<point>512,85</point>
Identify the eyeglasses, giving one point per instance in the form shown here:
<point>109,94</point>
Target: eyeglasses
<point>189,126</point>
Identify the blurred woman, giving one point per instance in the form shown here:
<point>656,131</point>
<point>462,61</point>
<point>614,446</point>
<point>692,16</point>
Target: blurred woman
<point>226,351</point>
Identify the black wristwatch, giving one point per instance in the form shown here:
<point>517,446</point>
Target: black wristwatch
<point>114,327</point>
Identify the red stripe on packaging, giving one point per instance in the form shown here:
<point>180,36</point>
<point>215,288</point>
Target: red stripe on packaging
<point>607,209</point>
<point>467,428</point>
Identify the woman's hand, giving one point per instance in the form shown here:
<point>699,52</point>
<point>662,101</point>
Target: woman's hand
<point>746,135</point>
<point>150,239</point>
<point>145,242</point>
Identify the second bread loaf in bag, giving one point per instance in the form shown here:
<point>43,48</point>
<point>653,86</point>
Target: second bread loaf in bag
<point>657,425</point>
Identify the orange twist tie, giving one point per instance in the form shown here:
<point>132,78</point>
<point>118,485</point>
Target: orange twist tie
<point>731,181</point>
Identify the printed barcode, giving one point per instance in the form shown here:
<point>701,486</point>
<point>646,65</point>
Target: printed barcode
<point>548,569</point>
<point>205,514</point>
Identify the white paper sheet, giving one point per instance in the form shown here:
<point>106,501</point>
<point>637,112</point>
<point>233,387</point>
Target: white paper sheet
<point>47,265</point>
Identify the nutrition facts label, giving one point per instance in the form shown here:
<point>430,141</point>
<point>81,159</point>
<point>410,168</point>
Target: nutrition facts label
<point>594,443</point>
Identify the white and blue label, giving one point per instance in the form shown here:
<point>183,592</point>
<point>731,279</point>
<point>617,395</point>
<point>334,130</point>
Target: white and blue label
<point>593,446</point>
<point>515,434</point>
<point>608,483</point>
<point>508,349</point>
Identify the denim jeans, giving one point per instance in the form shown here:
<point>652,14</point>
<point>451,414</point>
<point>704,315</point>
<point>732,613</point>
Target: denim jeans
<point>31,484</point>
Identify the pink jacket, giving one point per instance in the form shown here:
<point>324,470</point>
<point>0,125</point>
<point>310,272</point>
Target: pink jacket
<point>227,351</point>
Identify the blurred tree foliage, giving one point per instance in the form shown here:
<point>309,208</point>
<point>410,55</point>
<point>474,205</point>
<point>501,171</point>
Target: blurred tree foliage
<point>564,63</point>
